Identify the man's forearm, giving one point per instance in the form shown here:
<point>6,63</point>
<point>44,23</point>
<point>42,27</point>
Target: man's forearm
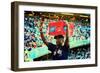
<point>43,38</point>
<point>67,39</point>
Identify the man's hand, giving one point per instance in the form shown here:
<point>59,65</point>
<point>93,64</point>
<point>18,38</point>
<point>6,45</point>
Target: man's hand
<point>66,22</point>
<point>67,26</point>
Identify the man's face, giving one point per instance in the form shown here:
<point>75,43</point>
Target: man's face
<point>59,41</point>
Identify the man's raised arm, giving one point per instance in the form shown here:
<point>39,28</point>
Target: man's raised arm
<point>66,39</point>
<point>41,33</point>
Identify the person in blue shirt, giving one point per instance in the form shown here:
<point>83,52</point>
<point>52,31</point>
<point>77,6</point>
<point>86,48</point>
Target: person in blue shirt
<point>60,50</point>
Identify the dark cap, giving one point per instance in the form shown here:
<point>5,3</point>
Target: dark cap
<point>58,36</point>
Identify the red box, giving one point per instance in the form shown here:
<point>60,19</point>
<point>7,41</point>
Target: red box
<point>57,28</point>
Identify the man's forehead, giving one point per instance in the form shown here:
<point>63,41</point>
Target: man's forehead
<point>59,38</point>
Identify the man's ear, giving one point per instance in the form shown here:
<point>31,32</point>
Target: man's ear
<point>63,40</point>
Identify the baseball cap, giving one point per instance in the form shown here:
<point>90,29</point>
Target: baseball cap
<point>58,36</point>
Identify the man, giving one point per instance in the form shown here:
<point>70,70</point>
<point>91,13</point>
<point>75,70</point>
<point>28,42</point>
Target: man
<point>59,51</point>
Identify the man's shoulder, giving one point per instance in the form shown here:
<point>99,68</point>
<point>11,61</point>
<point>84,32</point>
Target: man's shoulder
<point>66,47</point>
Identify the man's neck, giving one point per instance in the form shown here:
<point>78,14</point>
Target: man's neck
<point>59,45</point>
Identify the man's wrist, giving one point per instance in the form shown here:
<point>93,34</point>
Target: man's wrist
<point>41,31</point>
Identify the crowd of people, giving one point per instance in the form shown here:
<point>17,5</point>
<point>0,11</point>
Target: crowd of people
<point>32,39</point>
<point>81,31</point>
<point>79,53</point>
